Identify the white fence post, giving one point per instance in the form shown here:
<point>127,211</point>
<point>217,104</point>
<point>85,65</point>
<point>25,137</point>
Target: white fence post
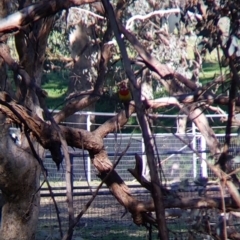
<point>88,158</point>
<point>204,156</point>
<point>194,148</point>
<point>145,170</point>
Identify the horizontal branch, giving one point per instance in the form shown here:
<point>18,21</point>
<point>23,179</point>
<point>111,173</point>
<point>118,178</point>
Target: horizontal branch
<point>75,105</point>
<point>80,11</point>
<point>116,123</point>
<point>160,13</point>
<point>200,202</point>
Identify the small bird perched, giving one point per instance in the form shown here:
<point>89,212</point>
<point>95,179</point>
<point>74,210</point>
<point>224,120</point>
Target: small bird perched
<point>125,96</point>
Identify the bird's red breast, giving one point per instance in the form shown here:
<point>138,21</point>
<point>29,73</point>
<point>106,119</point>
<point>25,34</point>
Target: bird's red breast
<point>124,94</point>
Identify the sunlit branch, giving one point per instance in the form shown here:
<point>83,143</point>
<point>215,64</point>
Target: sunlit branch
<point>160,13</point>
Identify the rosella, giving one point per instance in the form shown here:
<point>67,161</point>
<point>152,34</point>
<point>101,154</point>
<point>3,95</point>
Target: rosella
<point>125,96</point>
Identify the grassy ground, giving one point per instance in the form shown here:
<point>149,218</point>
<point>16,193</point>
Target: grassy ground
<point>209,71</point>
<point>55,83</point>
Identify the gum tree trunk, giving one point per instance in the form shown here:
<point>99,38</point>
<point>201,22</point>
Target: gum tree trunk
<point>19,170</point>
<point>19,182</point>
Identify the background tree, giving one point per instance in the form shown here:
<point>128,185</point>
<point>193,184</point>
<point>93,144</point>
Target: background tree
<point>25,106</point>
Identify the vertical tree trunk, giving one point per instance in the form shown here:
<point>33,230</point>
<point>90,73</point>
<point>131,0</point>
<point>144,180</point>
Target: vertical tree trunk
<point>19,170</point>
<point>19,182</point>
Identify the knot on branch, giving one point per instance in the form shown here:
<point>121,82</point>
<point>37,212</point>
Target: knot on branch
<point>138,219</point>
<point>143,218</point>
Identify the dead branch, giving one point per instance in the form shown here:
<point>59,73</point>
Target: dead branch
<point>208,99</point>
<point>116,123</point>
<point>94,143</point>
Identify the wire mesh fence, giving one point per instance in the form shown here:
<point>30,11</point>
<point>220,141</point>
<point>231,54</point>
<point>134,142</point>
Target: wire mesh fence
<point>106,218</point>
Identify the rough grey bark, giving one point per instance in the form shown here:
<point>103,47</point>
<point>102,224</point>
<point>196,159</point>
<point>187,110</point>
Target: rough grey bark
<point>19,182</point>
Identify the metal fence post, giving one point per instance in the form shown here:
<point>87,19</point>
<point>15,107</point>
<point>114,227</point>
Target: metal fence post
<point>88,158</point>
<point>145,170</point>
<point>194,148</point>
<point>71,161</point>
<point>204,156</point>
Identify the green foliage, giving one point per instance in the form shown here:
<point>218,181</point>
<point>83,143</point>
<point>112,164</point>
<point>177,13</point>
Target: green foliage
<point>209,71</point>
<point>56,86</point>
<point>58,42</point>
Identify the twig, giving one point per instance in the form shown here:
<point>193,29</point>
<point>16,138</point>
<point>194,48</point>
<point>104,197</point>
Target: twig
<point>234,172</point>
<point>33,196</point>
<point>187,145</point>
